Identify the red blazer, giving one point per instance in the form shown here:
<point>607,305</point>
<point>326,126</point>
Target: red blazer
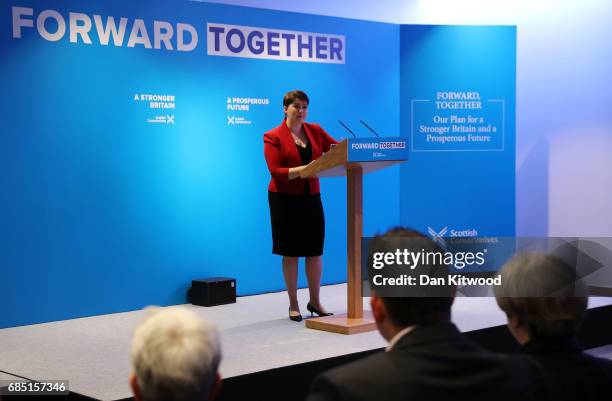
<point>281,153</point>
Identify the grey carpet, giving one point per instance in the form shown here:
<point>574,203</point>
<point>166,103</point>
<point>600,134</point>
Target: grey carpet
<point>93,353</point>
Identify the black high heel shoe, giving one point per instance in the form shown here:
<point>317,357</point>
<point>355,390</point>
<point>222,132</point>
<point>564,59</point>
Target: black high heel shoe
<point>312,310</point>
<point>295,318</point>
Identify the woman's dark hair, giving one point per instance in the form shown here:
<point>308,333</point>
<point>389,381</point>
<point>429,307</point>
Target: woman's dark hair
<point>292,96</point>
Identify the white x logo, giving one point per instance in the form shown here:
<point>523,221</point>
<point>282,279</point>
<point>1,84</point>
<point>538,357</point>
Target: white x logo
<point>438,236</point>
<point>170,119</point>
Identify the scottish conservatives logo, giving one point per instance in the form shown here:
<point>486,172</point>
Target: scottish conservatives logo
<point>439,236</point>
<point>234,120</point>
<point>166,119</point>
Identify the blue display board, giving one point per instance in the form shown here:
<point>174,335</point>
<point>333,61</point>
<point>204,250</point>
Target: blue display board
<point>457,105</point>
<point>132,147</point>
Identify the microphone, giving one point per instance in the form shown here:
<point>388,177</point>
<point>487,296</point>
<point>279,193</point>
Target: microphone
<point>348,129</point>
<point>368,127</point>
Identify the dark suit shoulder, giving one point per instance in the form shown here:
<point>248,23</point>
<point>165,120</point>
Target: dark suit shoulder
<point>370,366</point>
<point>359,380</point>
<point>449,368</point>
<point>570,375</point>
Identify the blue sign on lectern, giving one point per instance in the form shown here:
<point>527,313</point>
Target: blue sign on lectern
<point>377,149</point>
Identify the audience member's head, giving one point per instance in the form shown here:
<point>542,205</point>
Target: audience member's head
<point>541,296</point>
<point>392,314</point>
<point>175,356</point>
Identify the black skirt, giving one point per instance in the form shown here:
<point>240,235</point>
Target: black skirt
<point>298,224</point>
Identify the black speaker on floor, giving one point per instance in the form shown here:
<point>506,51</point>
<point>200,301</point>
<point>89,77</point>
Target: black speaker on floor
<point>212,291</point>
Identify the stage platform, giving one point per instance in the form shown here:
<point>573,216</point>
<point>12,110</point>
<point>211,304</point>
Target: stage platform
<point>257,337</point>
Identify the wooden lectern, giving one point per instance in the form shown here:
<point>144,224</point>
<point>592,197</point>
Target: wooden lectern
<point>335,163</point>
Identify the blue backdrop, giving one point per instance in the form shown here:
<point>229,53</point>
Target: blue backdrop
<point>110,203</point>
<point>458,86</point>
